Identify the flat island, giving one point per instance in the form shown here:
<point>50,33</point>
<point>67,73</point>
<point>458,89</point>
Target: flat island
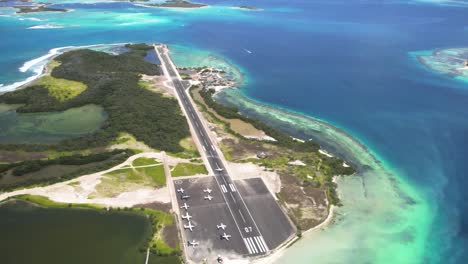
<point>106,132</point>
<point>452,62</point>
<point>175,4</point>
<point>28,6</point>
<point>251,8</point>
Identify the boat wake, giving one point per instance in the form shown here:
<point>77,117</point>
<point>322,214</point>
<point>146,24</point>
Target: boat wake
<point>30,19</point>
<point>46,26</point>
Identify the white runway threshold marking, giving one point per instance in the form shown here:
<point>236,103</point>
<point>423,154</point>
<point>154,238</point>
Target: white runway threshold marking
<point>224,188</point>
<point>255,245</point>
<point>247,245</point>
<point>252,244</point>
<point>233,189</point>
<point>264,243</point>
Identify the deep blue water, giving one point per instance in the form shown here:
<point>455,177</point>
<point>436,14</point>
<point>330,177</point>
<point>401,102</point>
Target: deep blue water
<point>345,62</point>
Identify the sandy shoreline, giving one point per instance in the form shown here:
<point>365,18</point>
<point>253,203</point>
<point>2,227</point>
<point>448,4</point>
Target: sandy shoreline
<point>39,64</point>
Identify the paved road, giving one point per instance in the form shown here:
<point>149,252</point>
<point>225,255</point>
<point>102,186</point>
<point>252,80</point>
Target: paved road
<point>254,242</point>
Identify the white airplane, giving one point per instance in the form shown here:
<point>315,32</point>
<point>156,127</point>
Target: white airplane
<point>207,190</point>
<point>186,216</point>
<point>189,226</point>
<point>193,243</point>
<point>222,226</point>
<point>184,197</point>
<point>225,236</point>
<point>208,197</point>
<point>219,169</point>
<point>185,206</point>
<point>181,190</point>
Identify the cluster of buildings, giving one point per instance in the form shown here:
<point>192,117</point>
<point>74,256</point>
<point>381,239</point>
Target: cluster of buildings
<point>210,78</point>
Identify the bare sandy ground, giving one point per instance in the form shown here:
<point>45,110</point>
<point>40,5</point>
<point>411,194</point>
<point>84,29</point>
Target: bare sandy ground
<point>159,84</point>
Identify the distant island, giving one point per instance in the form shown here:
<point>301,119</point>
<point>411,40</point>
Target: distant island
<point>175,4</point>
<point>452,62</point>
<point>249,8</point>
<point>28,6</point>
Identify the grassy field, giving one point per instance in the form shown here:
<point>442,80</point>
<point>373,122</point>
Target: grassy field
<point>188,169</point>
<point>131,179</point>
<point>61,89</point>
<point>189,149</point>
<point>144,162</point>
<point>46,202</point>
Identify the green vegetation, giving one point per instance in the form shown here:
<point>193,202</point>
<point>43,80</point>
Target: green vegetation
<point>188,169</point>
<point>144,161</point>
<point>61,89</point>
<point>185,76</point>
<point>46,202</point>
<point>45,172</point>
<point>112,82</point>
<point>35,165</point>
<point>190,149</point>
<point>318,171</point>
<point>282,139</point>
<point>131,179</point>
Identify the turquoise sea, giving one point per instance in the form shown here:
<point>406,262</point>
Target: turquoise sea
<point>342,72</point>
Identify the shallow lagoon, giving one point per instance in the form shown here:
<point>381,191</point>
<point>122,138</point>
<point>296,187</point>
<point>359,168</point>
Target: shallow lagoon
<point>32,234</point>
<point>48,127</point>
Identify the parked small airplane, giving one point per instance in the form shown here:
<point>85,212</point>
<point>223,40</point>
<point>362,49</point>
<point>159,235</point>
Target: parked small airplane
<point>184,197</point>
<point>189,226</point>
<point>222,226</point>
<point>219,169</point>
<point>225,236</point>
<point>180,190</point>
<point>185,206</point>
<point>207,190</point>
<point>186,216</point>
<point>208,197</point>
<point>193,243</point>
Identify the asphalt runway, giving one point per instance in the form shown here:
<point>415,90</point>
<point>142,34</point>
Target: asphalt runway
<point>272,222</point>
<point>207,215</point>
<point>228,205</point>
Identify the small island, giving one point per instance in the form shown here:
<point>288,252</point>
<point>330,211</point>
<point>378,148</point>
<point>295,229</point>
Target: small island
<point>177,4</point>
<point>452,62</point>
<point>28,6</point>
<point>251,8</point>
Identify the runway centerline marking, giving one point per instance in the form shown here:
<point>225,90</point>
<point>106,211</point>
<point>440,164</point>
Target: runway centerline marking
<point>242,215</point>
<point>232,197</point>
